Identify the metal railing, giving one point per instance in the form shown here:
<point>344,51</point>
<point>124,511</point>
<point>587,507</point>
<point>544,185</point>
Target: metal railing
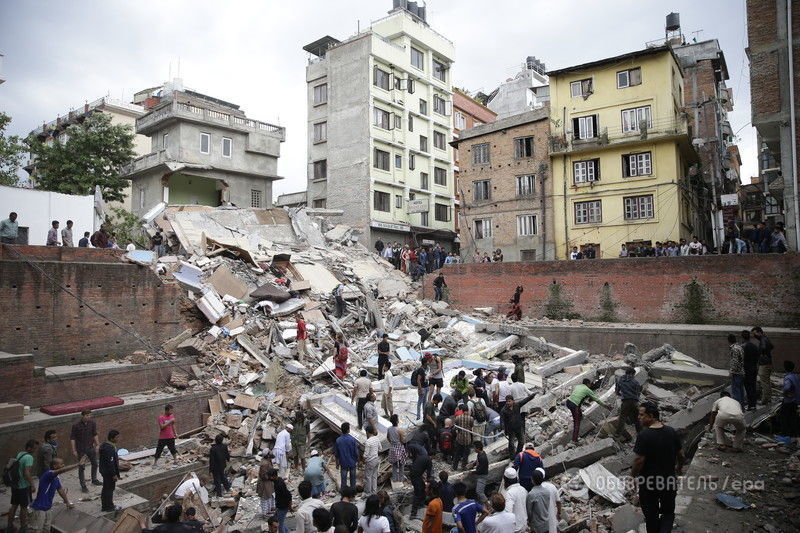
<point>209,115</point>
<point>654,129</point>
<point>82,110</point>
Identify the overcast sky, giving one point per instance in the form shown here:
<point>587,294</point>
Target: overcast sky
<point>60,54</point>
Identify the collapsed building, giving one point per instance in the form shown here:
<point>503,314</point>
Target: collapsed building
<point>239,276</point>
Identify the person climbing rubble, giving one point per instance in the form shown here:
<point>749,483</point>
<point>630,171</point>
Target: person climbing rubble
<point>514,423</point>
<point>580,394</point>
<point>727,412</point>
<point>629,390</point>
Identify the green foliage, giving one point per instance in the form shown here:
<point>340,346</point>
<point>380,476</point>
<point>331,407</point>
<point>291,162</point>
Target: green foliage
<point>92,155</point>
<point>557,306</point>
<point>608,307</point>
<point>11,152</point>
<point>126,228</point>
<point>695,308</point>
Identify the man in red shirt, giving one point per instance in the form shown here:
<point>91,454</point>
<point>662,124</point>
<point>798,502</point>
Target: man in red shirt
<point>302,338</point>
<point>167,434</point>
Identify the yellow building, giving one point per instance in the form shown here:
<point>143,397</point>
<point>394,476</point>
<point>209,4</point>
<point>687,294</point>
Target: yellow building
<point>621,153</point>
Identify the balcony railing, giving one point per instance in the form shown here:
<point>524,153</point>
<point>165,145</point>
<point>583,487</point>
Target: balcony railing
<point>144,162</point>
<point>181,109</point>
<point>656,128</point>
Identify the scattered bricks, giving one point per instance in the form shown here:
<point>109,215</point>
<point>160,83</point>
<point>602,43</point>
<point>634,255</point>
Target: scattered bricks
<point>173,343</point>
<point>179,379</point>
<point>233,420</point>
<point>191,347</point>
<point>139,357</point>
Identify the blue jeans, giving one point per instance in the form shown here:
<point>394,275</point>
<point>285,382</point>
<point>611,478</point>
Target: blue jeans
<point>438,291</point>
<point>316,490</point>
<point>281,515</point>
<point>737,388</point>
<point>422,396</point>
<point>344,472</point>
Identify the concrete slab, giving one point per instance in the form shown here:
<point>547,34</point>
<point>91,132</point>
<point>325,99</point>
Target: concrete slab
<point>603,482</point>
<point>694,414</point>
<point>557,365</point>
<point>579,457</point>
<point>694,375</point>
<point>627,518</point>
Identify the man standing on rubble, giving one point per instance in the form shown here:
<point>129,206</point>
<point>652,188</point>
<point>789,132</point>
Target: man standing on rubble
<point>84,441</point>
<point>429,421</point>
<point>372,448</point>
<point>752,353</point>
<point>302,338</point>
<point>421,463</point>
<point>157,243</point>
<point>514,423</point>
<point>346,451</point>
<point>580,394</point>
<point>658,461</point>
<point>338,295</point>
<point>436,372</point>
<point>464,436</point>
<point>300,439</point>
<point>526,462</point>
<point>361,389</point>
<point>388,385</point>
<point>109,469</point>
<point>736,370</point>
<point>218,457</point>
<point>420,381</point>
<point>371,413</point>
<point>629,390</point>
<point>438,286</point>
<point>764,364</point>
<point>384,350</point>
<point>283,445</point>
<point>166,435</point>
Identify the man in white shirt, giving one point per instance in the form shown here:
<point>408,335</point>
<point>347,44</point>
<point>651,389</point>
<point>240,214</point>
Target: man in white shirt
<point>372,446</point>
<point>388,385</point>
<point>283,445</point>
<point>499,521</point>
<point>519,391</point>
<point>304,516</point>
<point>362,386</point>
<point>193,485</point>
<point>727,411</point>
<point>515,500</point>
<point>553,508</point>
<point>695,247</point>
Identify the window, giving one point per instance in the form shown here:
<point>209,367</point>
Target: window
<point>582,88</point>
<point>586,171</point>
<point>440,105</point>
<point>636,165</point>
<point>412,161</point>
<point>398,161</point>
<point>255,198</point>
<point>424,181</point>
<point>634,119</point>
<point>523,147</point>
<point>320,132</point>
<point>439,140</point>
<point>227,147</point>
<point>423,143</point>
<point>141,197</point>
<point>381,159</point>
<point>483,228</point>
<point>381,79</point>
<point>205,143</point>
<point>417,58</point>
<point>320,204</point>
<point>527,255</point>
<point>381,118</point>
<point>423,107</point>
<point>441,212</point>
<point>480,154</point>
<point>398,201</point>
<point>164,139</point>
<point>321,169</point>
<point>411,85</point>
<point>380,201</point>
<point>629,78</point>
<point>584,127</point>
<point>439,70</point>
<point>588,212</point>
<point>526,185</point>
<point>440,176</point>
<point>459,120</point>
<point>526,225</point>
<point>424,218</point>
<point>410,122</point>
<point>321,94</point>
<point>482,190</point>
<point>398,121</point>
<point>638,207</point>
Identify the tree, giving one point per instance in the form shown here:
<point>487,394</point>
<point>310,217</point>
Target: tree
<point>11,151</point>
<point>92,155</point>
<point>126,228</point>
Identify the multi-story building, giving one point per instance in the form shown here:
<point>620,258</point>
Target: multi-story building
<point>203,151</point>
<point>621,153</point>
<point>292,199</point>
<point>759,202</point>
<point>467,113</point>
<point>774,53</point>
<point>379,128</point>
<point>527,90</point>
<point>506,194</point>
<point>120,112</point>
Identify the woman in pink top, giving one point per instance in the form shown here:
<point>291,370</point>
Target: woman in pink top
<point>167,434</point>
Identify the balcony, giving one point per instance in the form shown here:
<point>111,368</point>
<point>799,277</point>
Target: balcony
<point>658,128</point>
<point>182,111</point>
<point>146,161</point>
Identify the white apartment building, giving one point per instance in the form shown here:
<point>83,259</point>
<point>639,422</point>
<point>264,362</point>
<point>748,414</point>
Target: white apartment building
<point>380,126</point>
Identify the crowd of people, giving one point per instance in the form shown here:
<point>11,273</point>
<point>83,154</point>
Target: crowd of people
<point>415,261</point>
<point>496,257</point>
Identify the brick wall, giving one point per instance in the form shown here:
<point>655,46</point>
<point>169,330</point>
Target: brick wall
<point>137,423</point>
<point>39,386</point>
<point>731,289</point>
<point>57,328</point>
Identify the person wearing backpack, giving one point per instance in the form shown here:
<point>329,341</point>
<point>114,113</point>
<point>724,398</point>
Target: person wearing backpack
<point>447,439</point>
<point>19,476</point>
<point>477,408</point>
<point>338,296</point>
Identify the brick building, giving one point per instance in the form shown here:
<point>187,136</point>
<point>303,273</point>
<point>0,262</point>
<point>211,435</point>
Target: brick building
<point>774,98</point>
<point>467,113</point>
<point>506,200</point>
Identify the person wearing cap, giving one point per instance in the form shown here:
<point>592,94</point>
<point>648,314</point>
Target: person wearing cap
<point>538,505</point>
<point>525,463</point>
<point>283,445</point>
<point>553,507</point>
<point>315,474</point>
<point>514,423</point>
<point>629,390</point>
<point>516,496</point>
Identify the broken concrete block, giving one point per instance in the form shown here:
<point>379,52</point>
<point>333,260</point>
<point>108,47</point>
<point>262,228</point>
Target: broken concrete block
<point>657,353</point>
<point>233,420</point>
<point>604,483</point>
<point>139,357</point>
<point>557,365</point>
<point>579,457</point>
<point>627,518</point>
<point>694,375</point>
<point>173,343</point>
<point>224,282</point>
<point>190,347</point>
<point>658,393</point>
<point>179,379</point>
<point>694,414</point>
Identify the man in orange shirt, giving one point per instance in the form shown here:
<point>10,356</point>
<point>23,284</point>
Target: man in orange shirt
<point>433,514</point>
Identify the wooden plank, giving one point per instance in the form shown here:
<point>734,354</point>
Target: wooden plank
<point>130,521</point>
<point>214,405</point>
<point>246,401</point>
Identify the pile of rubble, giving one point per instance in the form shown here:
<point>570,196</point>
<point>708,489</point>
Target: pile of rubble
<point>248,272</point>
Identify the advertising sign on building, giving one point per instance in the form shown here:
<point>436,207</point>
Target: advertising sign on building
<point>419,205</point>
<point>729,199</point>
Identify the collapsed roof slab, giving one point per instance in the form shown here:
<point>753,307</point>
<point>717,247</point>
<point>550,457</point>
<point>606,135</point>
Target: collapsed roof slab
<point>335,409</point>
<point>579,457</point>
<point>693,375</point>
<point>557,365</point>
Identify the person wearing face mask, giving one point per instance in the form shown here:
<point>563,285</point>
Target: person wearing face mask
<point>47,451</point>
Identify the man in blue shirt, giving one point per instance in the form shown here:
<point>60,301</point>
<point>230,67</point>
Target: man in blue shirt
<point>791,394</point>
<point>465,511</point>
<point>346,451</point>
<point>42,514</point>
